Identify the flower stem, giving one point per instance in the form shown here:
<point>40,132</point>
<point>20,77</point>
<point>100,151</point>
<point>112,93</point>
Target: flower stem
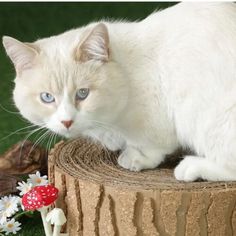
<point>21,214</point>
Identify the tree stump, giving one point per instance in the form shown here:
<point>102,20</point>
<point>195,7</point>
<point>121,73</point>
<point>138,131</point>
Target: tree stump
<point>101,198</point>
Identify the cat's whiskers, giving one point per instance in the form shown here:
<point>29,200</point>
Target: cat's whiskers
<point>55,139</point>
<point>106,126</point>
<point>16,131</point>
<point>39,140</point>
<point>28,136</point>
<point>49,141</point>
<point>47,135</point>
<point>103,126</point>
<point>52,138</point>
<point>31,133</point>
<point>8,111</point>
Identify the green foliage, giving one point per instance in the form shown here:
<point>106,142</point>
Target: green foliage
<point>31,227</point>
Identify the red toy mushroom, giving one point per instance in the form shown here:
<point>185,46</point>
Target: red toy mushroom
<point>39,198</point>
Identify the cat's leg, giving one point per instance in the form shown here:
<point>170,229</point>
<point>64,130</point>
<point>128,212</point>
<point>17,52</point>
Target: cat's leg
<point>217,141</point>
<point>112,141</point>
<point>193,168</point>
<point>135,160</point>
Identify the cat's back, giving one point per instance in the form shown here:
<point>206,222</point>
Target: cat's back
<point>193,31</point>
<point>196,51</point>
<point>194,10</point>
<point>192,18</point>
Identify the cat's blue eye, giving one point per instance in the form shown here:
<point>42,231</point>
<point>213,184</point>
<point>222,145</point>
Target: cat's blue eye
<point>82,93</point>
<point>47,97</point>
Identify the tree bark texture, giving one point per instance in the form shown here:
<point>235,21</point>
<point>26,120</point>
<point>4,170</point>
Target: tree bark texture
<point>101,198</point>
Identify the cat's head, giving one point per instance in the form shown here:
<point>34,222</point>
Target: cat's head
<point>68,83</point>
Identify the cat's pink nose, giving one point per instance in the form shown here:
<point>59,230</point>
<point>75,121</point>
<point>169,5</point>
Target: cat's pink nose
<point>67,123</point>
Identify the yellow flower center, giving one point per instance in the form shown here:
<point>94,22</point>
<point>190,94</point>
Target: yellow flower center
<point>38,181</point>
<point>8,204</point>
<point>10,226</point>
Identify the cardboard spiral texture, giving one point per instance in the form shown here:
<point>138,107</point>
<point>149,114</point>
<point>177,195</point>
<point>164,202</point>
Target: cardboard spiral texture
<point>101,198</point>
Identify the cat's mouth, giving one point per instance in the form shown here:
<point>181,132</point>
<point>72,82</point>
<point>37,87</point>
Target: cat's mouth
<point>69,134</point>
<point>74,131</point>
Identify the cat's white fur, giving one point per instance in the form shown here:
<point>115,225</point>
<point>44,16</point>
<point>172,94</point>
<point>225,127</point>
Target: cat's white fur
<point>166,81</point>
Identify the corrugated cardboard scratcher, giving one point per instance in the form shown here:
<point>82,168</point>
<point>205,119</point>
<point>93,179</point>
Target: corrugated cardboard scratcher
<point>101,198</point>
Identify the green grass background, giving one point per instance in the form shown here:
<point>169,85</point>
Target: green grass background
<point>31,21</point>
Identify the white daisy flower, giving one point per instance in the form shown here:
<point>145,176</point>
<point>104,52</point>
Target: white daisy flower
<point>3,217</point>
<point>24,187</point>
<point>37,179</point>
<point>9,205</point>
<point>11,226</point>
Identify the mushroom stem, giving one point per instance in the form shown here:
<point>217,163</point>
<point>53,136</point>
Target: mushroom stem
<point>47,227</point>
<point>57,230</point>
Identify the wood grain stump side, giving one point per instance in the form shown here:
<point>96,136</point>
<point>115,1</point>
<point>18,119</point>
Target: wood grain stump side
<point>101,198</point>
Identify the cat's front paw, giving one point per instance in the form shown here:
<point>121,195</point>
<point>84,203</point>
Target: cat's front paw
<point>130,163</point>
<point>112,146</point>
<point>112,142</point>
<point>133,160</point>
<point>189,169</point>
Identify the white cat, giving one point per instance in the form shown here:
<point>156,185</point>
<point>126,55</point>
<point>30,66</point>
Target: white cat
<point>144,87</point>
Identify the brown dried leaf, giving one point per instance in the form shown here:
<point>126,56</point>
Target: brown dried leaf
<point>23,158</point>
<point>8,184</point>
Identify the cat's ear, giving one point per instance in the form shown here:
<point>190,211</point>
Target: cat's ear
<point>21,54</point>
<point>95,46</point>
